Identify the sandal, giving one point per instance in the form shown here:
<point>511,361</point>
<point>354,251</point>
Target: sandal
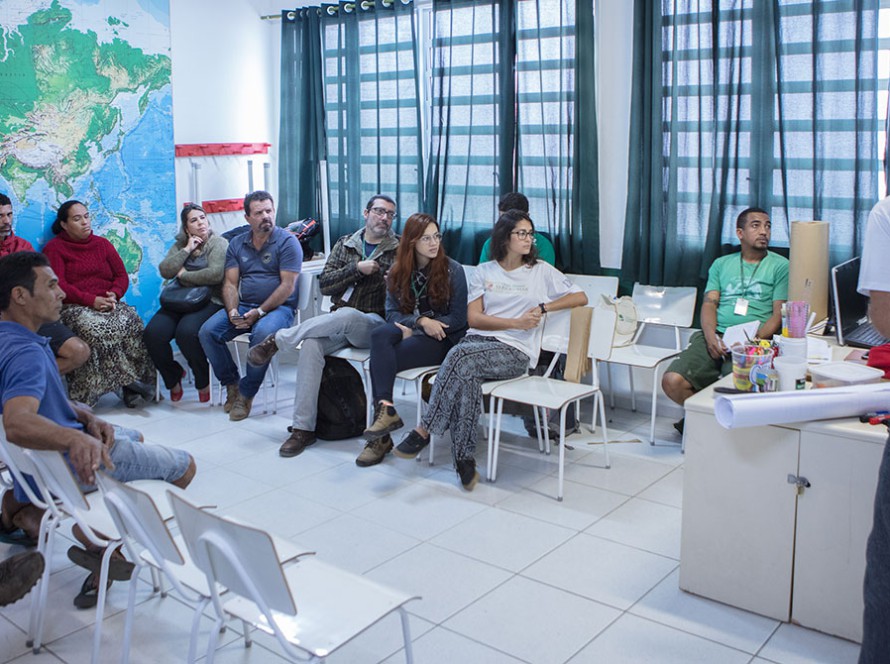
<point>119,568</point>
<point>16,535</point>
<point>88,596</point>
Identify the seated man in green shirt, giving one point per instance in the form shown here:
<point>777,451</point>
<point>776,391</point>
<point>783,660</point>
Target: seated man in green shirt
<point>743,287</point>
<point>517,201</point>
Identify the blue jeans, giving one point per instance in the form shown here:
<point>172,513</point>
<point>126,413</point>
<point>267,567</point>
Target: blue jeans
<point>876,590</point>
<point>133,460</point>
<point>218,330</point>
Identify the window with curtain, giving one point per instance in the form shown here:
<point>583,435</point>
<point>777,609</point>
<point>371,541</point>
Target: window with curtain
<point>372,112</point>
<point>749,103</point>
<point>505,95</point>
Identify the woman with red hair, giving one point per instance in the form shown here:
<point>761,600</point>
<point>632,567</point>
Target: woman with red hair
<point>426,314</point>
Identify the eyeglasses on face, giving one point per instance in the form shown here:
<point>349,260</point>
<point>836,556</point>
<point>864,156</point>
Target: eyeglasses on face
<point>430,239</point>
<point>523,234</point>
<point>383,212</point>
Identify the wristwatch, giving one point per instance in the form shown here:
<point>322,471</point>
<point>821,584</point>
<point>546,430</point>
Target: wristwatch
<point>543,307</point>
<point>260,311</point>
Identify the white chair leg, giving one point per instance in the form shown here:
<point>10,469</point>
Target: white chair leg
<point>406,636</point>
<point>609,381</point>
<point>131,609</point>
<point>654,403</point>
<point>100,604</point>
<point>633,392</point>
<point>538,429</point>
<point>599,396</point>
<point>196,621</point>
<point>562,451</point>
<point>493,446</point>
<point>546,431</point>
<point>215,631</point>
<point>248,641</point>
<point>48,527</point>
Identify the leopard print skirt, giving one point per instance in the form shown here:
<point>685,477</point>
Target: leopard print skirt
<point>117,355</point>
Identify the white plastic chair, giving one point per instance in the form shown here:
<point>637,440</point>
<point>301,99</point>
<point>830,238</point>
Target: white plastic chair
<point>595,286</point>
<point>655,305</point>
<point>309,607</point>
<point>18,464</point>
<point>90,513</point>
<point>149,542</point>
<point>270,379</point>
<point>545,392</point>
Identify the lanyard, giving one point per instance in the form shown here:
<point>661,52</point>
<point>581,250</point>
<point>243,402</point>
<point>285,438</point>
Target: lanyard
<point>742,275</point>
<point>416,290</point>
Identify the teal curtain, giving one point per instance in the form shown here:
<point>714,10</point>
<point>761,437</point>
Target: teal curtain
<point>301,132</point>
<point>747,102</point>
<point>514,109</point>
<point>372,108</point>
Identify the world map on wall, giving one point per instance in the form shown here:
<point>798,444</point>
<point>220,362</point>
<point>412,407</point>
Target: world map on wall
<point>86,113</point>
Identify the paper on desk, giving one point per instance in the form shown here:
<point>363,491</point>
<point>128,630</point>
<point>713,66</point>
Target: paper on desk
<point>754,410</point>
<point>740,334</point>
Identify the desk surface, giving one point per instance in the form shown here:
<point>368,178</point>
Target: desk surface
<point>851,427</point>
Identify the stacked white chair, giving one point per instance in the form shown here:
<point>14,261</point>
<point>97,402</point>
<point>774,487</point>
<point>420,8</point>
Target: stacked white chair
<point>311,608</point>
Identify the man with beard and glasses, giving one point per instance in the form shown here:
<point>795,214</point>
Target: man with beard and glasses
<point>353,276</point>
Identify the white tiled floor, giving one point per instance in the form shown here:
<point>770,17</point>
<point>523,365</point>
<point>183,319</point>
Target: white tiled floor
<point>507,573</point>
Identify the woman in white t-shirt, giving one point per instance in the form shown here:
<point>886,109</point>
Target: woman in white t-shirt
<point>508,298</point>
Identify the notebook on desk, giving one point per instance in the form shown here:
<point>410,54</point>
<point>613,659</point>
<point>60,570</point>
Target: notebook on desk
<point>851,308</point>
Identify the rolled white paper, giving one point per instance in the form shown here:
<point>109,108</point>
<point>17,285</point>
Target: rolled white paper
<point>754,410</point>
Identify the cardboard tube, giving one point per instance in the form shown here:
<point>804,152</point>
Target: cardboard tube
<point>808,270</point>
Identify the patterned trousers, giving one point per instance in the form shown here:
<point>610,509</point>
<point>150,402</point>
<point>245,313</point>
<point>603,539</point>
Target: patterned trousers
<point>456,399</point>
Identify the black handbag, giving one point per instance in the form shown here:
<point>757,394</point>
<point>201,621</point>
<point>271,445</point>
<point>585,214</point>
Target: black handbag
<point>181,299</point>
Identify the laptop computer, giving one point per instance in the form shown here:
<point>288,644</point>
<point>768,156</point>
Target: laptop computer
<point>851,308</point>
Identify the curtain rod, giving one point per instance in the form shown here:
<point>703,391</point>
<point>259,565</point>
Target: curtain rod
<point>332,10</point>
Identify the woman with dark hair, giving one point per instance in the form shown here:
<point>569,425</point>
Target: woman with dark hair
<point>197,258</point>
<point>508,298</point>
<point>94,279</point>
<point>426,314</point>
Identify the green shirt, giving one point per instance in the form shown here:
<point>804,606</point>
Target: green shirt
<point>545,250</point>
<point>760,283</point>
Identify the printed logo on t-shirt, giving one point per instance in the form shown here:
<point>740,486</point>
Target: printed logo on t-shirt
<point>506,288</point>
<point>266,258</point>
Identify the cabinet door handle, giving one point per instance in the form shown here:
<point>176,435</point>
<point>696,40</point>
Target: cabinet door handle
<point>799,481</point>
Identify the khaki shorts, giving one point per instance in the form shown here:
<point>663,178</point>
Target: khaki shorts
<point>697,366</point>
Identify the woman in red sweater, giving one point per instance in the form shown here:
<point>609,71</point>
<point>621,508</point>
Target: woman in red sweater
<point>94,279</point>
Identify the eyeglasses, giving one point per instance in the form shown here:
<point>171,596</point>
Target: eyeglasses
<point>430,239</point>
<point>383,212</point>
<point>523,234</point>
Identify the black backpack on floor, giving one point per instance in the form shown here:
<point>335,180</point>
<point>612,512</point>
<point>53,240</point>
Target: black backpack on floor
<point>342,405</point>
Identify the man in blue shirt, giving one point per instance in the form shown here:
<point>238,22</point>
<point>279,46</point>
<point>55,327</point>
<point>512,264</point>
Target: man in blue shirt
<point>38,415</point>
<point>260,297</point>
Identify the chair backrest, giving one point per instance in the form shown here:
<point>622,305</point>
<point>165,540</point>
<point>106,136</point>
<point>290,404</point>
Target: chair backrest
<point>468,273</point>
<point>137,518</point>
<point>305,290</point>
<point>58,479</point>
<point>665,305</point>
<point>557,327</point>
<point>602,334</point>
<point>595,287</point>
<point>20,465</point>
<point>239,557</point>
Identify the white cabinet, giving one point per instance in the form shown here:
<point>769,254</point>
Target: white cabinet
<point>752,540</point>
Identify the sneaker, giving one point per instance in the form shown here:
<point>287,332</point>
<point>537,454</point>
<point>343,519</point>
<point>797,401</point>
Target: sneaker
<point>386,419</point>
<point>374,452</point>
<point>18,575</point>
<point>466,470</point>
<point>231,395</point>
<point>261,354</point>
<point>241,408</point>
<point>298,441</point>
<point>411,445</point>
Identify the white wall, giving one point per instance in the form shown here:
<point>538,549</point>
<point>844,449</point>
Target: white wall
<point>225,90</point>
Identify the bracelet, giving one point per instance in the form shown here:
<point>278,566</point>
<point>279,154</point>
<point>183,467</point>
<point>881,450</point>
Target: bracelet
<point>543,308</point>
